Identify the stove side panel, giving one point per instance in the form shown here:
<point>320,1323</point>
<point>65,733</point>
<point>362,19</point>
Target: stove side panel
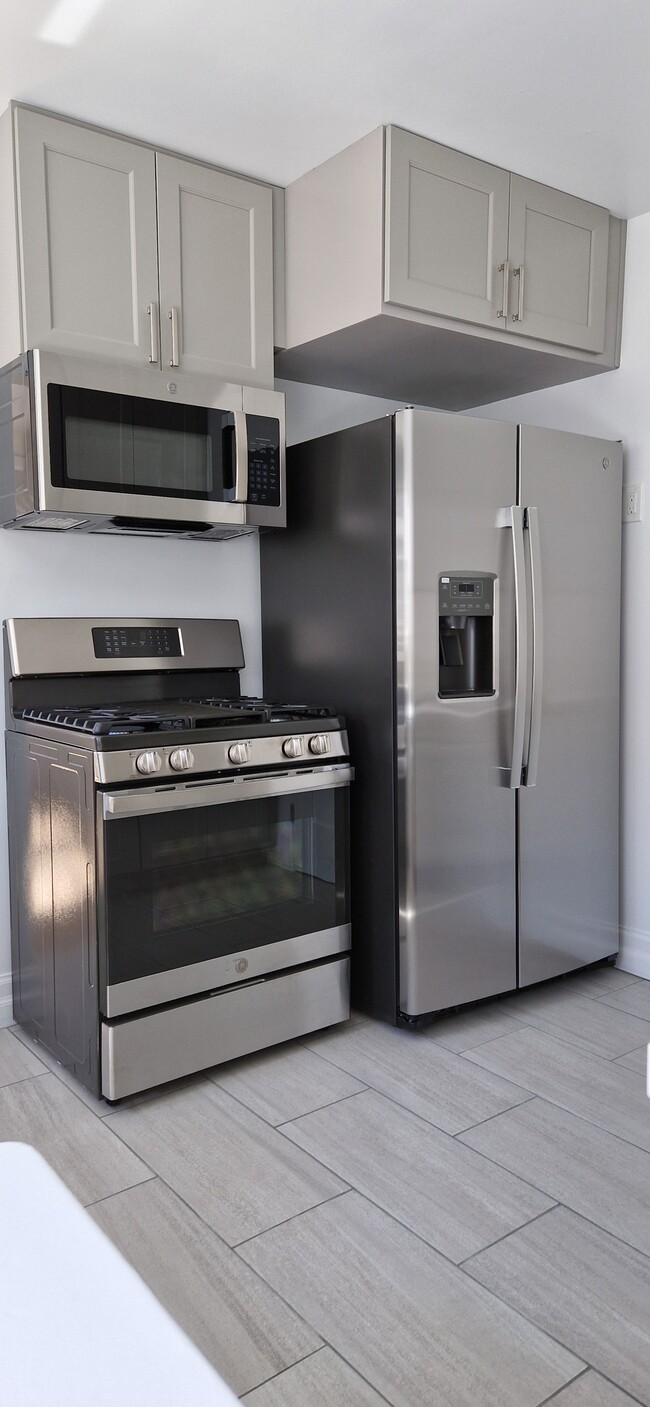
<point>328,636</point>
<point>53,912</point>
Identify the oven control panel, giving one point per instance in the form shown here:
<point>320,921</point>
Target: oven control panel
<point>136,642</point>
<point>247,754</point>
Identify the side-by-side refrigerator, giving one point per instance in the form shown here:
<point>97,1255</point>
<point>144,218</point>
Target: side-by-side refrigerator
<point>452,585</point>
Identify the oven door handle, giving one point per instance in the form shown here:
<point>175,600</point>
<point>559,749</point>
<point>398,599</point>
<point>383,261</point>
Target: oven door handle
<point>145,802</point>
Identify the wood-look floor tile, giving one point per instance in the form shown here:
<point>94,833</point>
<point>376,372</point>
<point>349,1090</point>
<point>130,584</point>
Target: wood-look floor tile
<point>16,1061</point>
<point>590,1390</point>
<point>419,1074</point>
<point>323,1380</point>
<point>581,1285</point>
<point>634,999</point>
<point>590,1025</point>
<point>230,1166</point>
<point>575,1163</point>
<point>600,1091</point>
<point>232,1316</point>
<point>402,1315</point>
<point>85,1154</point>
<point>422,1176</point>
<point>464,1029</point>
<point>284,1083</point>
<point>636,1060</point>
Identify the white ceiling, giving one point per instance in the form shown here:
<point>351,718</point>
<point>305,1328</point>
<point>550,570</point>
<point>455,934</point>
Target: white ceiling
<point>555,89</point>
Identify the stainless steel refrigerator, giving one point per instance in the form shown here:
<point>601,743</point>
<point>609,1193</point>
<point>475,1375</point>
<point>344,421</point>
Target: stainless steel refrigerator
<point>452,585</point>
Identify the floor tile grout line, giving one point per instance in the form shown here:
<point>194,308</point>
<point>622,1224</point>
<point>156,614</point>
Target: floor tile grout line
<point>345,1192</point>
<point>227,1246</point>
<point>461,1264</point>
<point>603,1128</point>
<point>305,1359</point>
<point>529,1093</point>
<point>554,1395</point>
<point>591,1369</point>
<point>459,1138</point>
<point>278,1127</point>
<point>341,1356</point>
<point>25,1080</point>
<point>554,1036</point>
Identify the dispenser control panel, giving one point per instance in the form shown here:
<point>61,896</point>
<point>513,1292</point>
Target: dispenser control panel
<point>466,595</point>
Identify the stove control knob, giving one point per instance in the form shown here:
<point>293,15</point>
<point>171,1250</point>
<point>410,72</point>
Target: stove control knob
<point>238,753</point>
<point>148,762</point>
<point>319,744</point>
<point>292,747</point>
<point>181,759</point>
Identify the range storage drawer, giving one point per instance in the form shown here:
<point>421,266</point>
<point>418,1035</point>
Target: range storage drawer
<point>141,1051</point>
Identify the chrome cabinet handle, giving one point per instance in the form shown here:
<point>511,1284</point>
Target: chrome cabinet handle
<point>532,524</point>
<point>154,347</point>
<point>519,315</point>
<point>241,456</point>
<point>521,647</point>
<point>504,269</point>
<point>173,318</point>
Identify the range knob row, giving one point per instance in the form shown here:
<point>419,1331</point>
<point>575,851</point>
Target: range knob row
<point>182,758</point>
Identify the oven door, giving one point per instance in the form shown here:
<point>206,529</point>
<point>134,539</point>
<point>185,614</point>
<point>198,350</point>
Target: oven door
<point>209,883</point>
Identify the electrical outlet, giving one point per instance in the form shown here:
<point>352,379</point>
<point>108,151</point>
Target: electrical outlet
<point>632,503</point>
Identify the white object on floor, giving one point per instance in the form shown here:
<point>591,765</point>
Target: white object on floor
<point>77,1324</point>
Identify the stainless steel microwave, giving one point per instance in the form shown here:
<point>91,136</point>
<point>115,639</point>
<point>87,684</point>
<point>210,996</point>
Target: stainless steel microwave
<point>91,446</point>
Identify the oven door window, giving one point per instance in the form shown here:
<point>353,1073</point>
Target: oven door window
<point>186,886</point>
<point>128,444</point>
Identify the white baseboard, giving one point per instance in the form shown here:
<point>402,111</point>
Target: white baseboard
<point>6,1005</point>
<point>634,954</point>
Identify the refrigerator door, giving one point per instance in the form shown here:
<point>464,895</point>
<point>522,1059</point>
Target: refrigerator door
<point>568,821</point>
<point>456,811</point>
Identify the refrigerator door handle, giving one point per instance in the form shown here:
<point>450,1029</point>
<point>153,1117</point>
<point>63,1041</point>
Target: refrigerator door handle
<point>532,761</point>
<point>521,647</point>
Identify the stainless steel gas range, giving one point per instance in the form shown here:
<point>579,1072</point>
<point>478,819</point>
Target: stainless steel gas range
<point>178,853</point>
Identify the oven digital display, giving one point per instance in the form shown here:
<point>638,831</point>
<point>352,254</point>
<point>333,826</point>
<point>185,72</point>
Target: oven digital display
<point>136,642</point>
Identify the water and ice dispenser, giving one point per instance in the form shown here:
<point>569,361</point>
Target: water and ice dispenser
<point>466,636</point>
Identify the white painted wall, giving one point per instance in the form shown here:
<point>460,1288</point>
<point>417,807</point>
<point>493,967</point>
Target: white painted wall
<point>52,574</point>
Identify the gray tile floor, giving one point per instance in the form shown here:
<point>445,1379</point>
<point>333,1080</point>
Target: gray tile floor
<point>455,1218</point>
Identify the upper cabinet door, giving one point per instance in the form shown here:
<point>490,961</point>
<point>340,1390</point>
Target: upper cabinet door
<point>216,272</point>
<point>87,220</point>
<point>446,230</point>
<point>558,261</point>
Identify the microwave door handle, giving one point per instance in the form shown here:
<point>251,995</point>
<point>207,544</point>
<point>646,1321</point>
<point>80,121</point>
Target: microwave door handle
<point>241,457</point>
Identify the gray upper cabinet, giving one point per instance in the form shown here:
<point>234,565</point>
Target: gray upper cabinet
<point>130,253</point>
<point>558,258</point>
<point>446,229</point>
<point>470,241</point>
<point>87,221</point>
<point>425,275</point>
<point>216,276</point>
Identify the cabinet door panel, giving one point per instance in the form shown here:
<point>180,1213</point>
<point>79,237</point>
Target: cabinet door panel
<point>446,230</point>
<point>216,269</point>
<point>87,214</point>
<point>562,244</point>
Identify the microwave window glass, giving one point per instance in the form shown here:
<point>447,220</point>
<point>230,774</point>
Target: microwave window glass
<point>127,444</point>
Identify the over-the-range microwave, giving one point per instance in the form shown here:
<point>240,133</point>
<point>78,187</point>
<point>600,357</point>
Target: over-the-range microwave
<point>95,446</point>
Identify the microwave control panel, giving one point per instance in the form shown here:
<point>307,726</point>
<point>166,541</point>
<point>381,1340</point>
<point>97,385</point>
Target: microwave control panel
<point>263,460</point>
